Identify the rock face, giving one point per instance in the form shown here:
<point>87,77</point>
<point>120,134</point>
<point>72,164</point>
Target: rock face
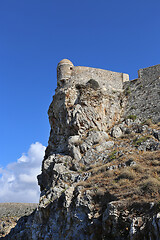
<point>100,172</point>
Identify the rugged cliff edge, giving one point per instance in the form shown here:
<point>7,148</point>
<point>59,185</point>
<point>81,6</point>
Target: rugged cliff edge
<point>100,174</point>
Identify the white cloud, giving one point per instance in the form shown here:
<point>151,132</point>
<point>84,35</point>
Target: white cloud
<point>18,181</point>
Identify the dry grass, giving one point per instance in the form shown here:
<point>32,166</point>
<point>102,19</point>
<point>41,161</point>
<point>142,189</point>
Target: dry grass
<point>137,141</point>
<point>150,185</point>
<point>149,156</point>
<point>126,174</point>
<point>128,136</point>
<point>139,168</point>
<point>156,163</point>
<point>148,122</point>
<point>140,181</point>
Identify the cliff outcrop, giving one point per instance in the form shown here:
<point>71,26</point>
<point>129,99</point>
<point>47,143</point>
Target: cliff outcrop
<point>100,173</point>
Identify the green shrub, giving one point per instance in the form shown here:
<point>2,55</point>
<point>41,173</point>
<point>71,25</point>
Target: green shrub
<point>138,141</point>
<point>127,91</point>
<point>133,117</point>
<point>112,155</point>
<point>93,84</point>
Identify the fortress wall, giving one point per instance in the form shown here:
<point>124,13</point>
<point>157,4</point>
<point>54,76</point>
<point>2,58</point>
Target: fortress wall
<point>143,95</point>
<point>68,74</point>
<point>105,78</point>
<point>149,73</point>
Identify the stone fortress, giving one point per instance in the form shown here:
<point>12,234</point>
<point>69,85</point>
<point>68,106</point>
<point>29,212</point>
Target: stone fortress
<point>68,74</point>
<point>143,93</point>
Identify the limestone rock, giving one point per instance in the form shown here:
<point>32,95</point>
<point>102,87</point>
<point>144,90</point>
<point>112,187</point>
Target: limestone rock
<point>149,145</point>
<point>99,176</point>
<point>105,145</point>
<point>116,132</point>
<point>156,134</point>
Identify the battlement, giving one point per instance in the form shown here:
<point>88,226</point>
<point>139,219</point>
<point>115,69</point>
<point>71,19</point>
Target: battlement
<point>68,74</point>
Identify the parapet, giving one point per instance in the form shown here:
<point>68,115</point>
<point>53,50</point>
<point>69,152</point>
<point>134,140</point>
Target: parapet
<point>68,74</point>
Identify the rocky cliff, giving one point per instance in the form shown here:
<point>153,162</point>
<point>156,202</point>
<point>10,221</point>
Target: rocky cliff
<point>100,174</point>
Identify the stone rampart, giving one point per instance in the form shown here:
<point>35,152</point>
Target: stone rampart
<point>143,94</point>
<point>150,73</point>
<point>68,74</point>
<point>106,79</point>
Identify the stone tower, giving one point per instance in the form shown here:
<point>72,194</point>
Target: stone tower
<point>64,70</point>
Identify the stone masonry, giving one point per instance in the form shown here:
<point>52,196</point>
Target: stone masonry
<point>143,95</point>
<point>68,74</point>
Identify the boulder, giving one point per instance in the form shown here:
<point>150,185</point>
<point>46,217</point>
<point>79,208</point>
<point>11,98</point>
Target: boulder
<point>116,132</point>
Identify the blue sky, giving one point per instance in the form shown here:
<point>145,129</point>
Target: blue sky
<point>35,35</point>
